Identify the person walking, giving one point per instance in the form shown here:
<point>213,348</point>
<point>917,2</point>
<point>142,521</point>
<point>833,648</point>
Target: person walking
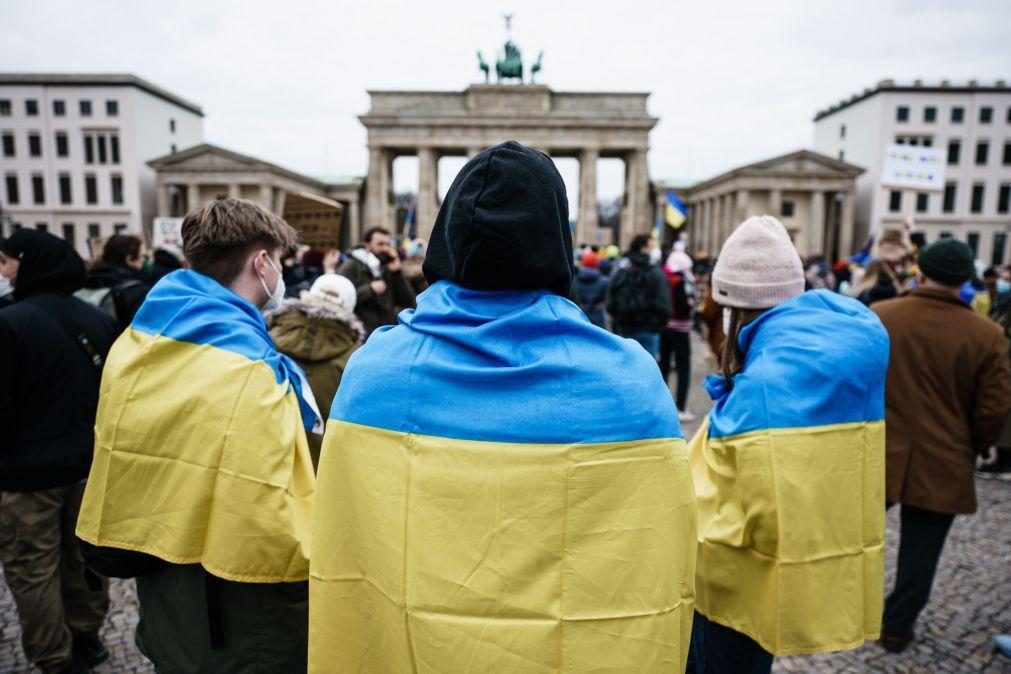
<point>52,349</point>
<point>638,298</point>
<point>202,479</point>
<point>675,339</point>
<point>949,394</point>
<point>320,332</point>
<point>789,481</point>
<point>376,270</point>
<point>467,522</point>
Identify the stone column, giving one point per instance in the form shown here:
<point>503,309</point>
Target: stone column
<point>193,196</point>
<point>234,191</point>
<point>816,237</point>
<point>586,223</point>
<point>428,183</point>
<point>776,203</point>
<point>354,223</point>
<point>266,196</point>
<point>164,201</point>
<point>635,211</point>
<point>473,152</point>
<point>377,189</point>
<point>846,224</point>
<point>741,208</point>
<point>278,206</point>
<point>705,226</point>
<point>717,228</point>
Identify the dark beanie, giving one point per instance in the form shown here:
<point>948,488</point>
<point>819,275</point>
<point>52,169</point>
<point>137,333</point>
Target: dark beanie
<point>947,261</point>
<point>48,264</point>
<point>504,225</point>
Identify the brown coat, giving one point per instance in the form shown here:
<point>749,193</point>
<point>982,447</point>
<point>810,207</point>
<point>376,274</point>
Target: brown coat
<point>947,394</point>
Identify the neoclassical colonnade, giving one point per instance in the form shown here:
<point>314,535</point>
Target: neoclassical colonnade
<point>584,126</point>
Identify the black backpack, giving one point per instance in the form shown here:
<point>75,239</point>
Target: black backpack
<point>634,292</point>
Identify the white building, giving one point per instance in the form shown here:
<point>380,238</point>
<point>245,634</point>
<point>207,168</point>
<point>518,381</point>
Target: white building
<point>75,150</point>
<point>971,122</point>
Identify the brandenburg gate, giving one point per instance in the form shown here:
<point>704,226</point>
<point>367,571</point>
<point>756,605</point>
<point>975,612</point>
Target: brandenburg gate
<point>434,124</point>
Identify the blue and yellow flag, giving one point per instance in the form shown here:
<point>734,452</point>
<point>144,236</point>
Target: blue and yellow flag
<point>675,212</point>
<point>200,445</point>
<point>790,476</point>
<point>503,487</point>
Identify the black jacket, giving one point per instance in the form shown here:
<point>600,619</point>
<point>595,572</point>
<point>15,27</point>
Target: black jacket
<point>48,382</point>
<point>129,290</point>
<point>654,306</point>
<point>373,310</point>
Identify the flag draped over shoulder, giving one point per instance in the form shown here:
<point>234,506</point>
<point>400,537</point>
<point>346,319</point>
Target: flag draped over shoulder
<point>503,487</point>
<point>789,475</point>
<point>200,447</point>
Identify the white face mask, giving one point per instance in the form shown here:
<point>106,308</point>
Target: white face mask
<point>5,286</point>
<point>274,298</point>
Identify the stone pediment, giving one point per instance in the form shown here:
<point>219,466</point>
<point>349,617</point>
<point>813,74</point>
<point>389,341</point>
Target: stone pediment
<point>206,157</point>
<point>802,162</point>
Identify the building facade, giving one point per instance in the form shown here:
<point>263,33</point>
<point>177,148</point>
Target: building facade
<point>813,195</point>
<point>971,122</point>
<point>75,148</point>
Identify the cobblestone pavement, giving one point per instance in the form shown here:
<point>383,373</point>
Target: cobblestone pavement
<point>971,600</point>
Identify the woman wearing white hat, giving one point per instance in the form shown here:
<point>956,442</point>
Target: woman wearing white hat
<point>320,331</point>
<point>788,466</point>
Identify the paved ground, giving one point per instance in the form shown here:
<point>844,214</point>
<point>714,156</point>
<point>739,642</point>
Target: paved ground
<point>971,600</point>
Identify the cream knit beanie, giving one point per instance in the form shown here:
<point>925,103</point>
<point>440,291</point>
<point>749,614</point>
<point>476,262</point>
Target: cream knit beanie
<point>758,267</point>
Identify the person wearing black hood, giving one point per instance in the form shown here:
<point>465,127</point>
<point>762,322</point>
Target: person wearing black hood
<point>164,261</point>
<point>638,298</point>
<point>52,347</point>
<point>117,284</point>
<point>503,486</point>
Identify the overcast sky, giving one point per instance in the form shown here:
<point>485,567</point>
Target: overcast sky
<point>731,82</point>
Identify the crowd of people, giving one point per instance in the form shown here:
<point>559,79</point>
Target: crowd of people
<point>465,453</point>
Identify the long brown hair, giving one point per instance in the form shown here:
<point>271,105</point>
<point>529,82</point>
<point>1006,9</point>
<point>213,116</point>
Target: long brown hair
<point>731,356</point>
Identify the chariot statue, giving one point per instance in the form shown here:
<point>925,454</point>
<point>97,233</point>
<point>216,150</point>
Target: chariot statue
<point>510,65</point>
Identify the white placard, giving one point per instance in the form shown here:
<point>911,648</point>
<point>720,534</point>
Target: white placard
<point>913,167</point>
<point>167,231</point>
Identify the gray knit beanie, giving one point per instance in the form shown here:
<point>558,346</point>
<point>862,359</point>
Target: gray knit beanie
<point>758,267</point>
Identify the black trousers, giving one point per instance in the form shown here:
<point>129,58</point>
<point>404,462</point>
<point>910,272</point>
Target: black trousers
<point>922,539</point>
<point>716,649</point>
<point>680,345</point>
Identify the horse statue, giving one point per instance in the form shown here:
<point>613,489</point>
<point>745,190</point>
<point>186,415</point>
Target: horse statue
<point>483,65</point>
<point>511,67</point>
<point>536,67</point>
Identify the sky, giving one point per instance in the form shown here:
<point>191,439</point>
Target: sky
<point>731,82</point>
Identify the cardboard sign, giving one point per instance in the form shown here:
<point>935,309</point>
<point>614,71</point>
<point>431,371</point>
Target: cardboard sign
<point>912,167</point>
<point>167,231</point>
<point>318,220</point>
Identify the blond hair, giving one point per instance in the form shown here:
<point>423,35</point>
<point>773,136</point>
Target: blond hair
<point>218,237</point>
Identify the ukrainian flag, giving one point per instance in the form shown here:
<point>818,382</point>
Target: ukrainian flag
<point>200,445</point>
<point>503,487</point>
<point>790,477</point>
<point>675,212</point>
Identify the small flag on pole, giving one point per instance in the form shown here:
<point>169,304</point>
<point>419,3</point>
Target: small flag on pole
<point>675,212</point>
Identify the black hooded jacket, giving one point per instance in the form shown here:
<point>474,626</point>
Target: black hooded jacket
<point>129,289</point>
<point>48,378</point>
<point>504,225</point>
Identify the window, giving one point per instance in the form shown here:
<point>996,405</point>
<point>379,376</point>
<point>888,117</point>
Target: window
<point>973,240</point>
<point>101,149</point>
<point>89,149</point>
<point>85,107</point>
<point>31,107</point>
<point>949,198</point>
<point>68,233</point>
<point>982,149</point>
<point>930,114</point>
<point>42,227</point>
<point>62,148</point>
<point>902,113</point>
<point>985,114</point>
<point>65,192</point>
<point>8,141</point>
<point>842,155</point>
<point>1006,159</point>
<point>999,242</point>
<point>922,201</point>
<point>119,228</point>
<point>1004,198</point>
<point>59,108</point>
<point>116,182</point>
<point>5,107</point>
<point>954,149</point>
<point>12,189</point>
<point>91,189</point>
<point>38,190</point>
<point>94,231</point>
<point>1009,115</point>
<point>786,209</point>
<point>114,148</point>
<point>112,108</point>
<point>101,144</point>
<point>895,201</point>
<point>957,114</point>
<point>977,198</point>
<point>34,145</point>
<point>928,142</point>
<point>842,131</point>
<point>946,235</point>
<point>172,125</point>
